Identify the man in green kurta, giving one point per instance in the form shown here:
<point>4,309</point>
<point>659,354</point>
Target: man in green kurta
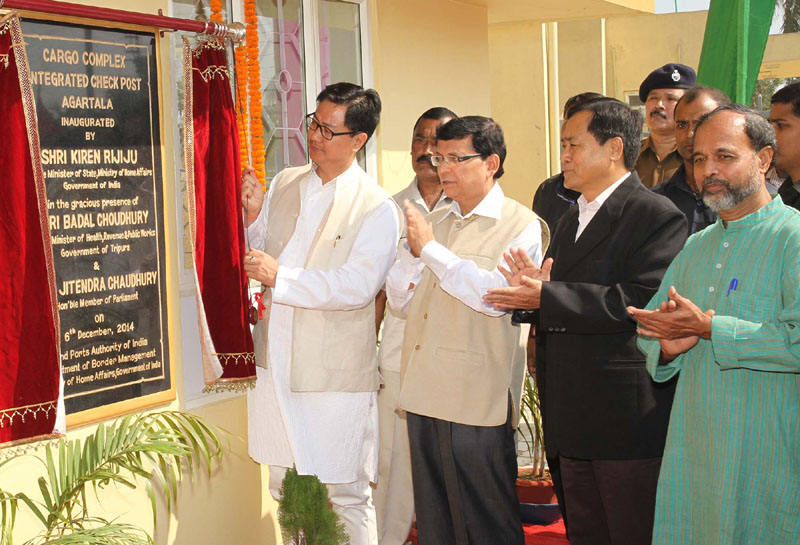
<point>727,318</point>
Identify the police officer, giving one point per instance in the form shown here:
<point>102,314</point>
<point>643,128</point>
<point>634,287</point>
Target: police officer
<point>660,92</point>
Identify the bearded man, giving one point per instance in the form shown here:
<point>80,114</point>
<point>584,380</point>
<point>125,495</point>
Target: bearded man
<point>726,320</point>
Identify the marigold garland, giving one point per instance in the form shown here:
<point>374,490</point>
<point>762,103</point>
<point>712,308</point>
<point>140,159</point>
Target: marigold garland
<point>216,11</point>
<point>241,104</point>
<point>254,91</point>
<point>248,91</point>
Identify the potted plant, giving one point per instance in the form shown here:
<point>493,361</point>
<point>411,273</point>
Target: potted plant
<point>538,503</point>
<point>154,447</point>
<point>305,514</point>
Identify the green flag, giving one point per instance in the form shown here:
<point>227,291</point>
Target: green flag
<point>733,46</point>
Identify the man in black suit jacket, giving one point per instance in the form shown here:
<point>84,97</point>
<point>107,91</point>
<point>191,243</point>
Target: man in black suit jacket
<point>552,199</point>
<point>604,417</point>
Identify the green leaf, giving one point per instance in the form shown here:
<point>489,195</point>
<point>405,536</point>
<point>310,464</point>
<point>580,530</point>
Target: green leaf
<point>51,470</point>
<point>101,532</point>
<point>157,448</point>
<point>33,507</point>
<point>99,439</point>
<point>48,501</point>
<point>151,494</point>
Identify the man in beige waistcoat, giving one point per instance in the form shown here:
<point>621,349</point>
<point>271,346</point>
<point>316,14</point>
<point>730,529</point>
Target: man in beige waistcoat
<point>463,361</point>
<point>393,496</point>
<point>322,242</point>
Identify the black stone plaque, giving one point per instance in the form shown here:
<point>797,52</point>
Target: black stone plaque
<point>97,101</point>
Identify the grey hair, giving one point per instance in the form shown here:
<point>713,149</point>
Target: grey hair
<point>758,130</point>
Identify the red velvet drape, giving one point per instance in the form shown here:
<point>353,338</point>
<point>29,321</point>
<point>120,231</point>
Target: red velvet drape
<point>30,370</point>
<point>213,175</point>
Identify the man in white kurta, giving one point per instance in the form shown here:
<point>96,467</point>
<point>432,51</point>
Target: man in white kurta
<point>320,427</point>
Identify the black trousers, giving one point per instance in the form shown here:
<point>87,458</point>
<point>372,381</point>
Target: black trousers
<point>610,502</point>
<point>554,466</point>
<point>464,477</point>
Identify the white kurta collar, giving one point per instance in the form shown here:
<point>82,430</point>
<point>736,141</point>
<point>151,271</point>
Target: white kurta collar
<point>349,174</point>
<point>491,206</point>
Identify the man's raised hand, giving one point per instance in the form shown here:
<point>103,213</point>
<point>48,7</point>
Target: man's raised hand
<point>521,265</point>
<point>252,194</point>
<point>420,231</point>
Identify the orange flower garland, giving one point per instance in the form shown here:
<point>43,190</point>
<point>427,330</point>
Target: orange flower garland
<point>216,11</point>
<point>241,105</point>
<point>254,90</point>
<point>248,91</point>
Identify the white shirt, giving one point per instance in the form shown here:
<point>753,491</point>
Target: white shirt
<point>329,434</point>
<point>461,278</point>
<point>587,210</point>
<point>394,324</point>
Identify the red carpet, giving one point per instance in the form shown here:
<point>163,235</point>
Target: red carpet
<point>552,534</point>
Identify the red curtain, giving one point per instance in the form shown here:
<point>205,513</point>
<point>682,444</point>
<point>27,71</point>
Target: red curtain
<point>211,151</point>
<point>30,371</point>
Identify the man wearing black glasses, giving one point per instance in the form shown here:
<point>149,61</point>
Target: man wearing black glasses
<point>463,360</point>
<point>323,241</point>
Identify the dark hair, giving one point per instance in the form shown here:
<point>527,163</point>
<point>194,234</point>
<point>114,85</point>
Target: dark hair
<point>438,112</point>
<point>789,95</point>
<point>611,118</point>
<point>693,93</point>
<point>579,99</point>
<point>363,105</point>
<point>758,130</point>
<point>487,136</point>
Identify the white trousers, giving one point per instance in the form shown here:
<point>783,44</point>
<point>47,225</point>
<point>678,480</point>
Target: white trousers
<point>352,502</point>
<point>394,493</point>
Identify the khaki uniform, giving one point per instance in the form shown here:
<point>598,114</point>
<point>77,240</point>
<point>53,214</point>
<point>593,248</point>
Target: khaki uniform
<point>652,171</point>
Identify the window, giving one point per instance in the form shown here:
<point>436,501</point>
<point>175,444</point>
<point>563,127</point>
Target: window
<point>632,99</point>
<point>339,30</point>
<point>304,45</point>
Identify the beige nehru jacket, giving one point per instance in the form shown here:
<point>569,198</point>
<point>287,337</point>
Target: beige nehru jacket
<point>459,364</point>
<point>332,351</point>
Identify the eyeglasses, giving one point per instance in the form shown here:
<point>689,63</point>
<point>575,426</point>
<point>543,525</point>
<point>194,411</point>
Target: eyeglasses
<point>439,160</point>
<point>313,124</point>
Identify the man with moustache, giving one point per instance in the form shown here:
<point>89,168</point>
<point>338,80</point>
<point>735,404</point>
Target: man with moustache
<point>681,188</point>
<point>659,92</point>
<point>604,417</point>
<point>463,360</point>
<point>393,494</point>
<point>726,321</point>
<point>785,119</point>
<point>323,241</point>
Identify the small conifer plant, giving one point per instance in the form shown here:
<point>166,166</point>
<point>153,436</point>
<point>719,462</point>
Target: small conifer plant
<point>305,513</point>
